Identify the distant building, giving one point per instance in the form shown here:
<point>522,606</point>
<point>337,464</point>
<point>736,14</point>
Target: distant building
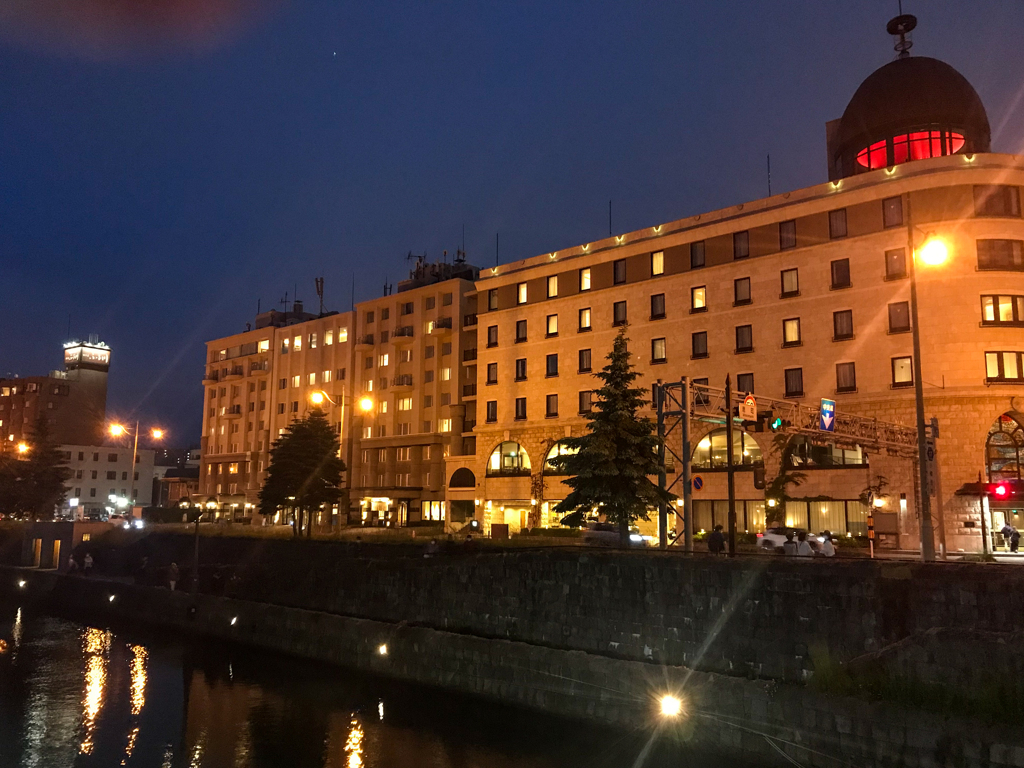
<point>173,485</point>
<point>99,472</point>
<point>73,401</point>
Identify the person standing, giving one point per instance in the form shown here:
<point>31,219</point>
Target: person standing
<point>87,564</point>
<point>716,541</point>
<point>172,576</point>
<point>789,546</point>
<point>1014,540</point>
<point>803,547</point>
<point>828,549</point>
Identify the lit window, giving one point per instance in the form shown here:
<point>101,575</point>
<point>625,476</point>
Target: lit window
<point>658,263</point>
<point>791,332</point>
<point>1002,310</point>
<point>585,319</point>
<point>521,293</point>
<point>405,404</point>
<point>382,406</point>
<point>383,360</point>
<point>552,286</point>
<point>297,344</point>
<point>328,338</point>
<point>264,345</point>
<point>326,377</point>
<point>585,279</point>
<point>658,351</point>
<point>698,299</point>
<point>312,341</point>
<point>296,381</point>
<point>446,374</point>
<point>1003,366</point>
<point>446,425</point>
<point>790,282</point>
<point>552,325</point>
<point>902,372</point>
<point>312,379</point>
<point>342,335</point>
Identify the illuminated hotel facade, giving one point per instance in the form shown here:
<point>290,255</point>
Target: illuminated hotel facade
<point>799,296</point>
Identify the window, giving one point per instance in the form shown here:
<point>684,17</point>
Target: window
<point>297,344</point>
<point>899,317</point>
<point>699,344</point>
<point>698,299</point>
<point>787,235</point>
<point>585,319</point>
<point>446,374</point>
<point>657,263</point>
<point>368,385</point>
<point>446,348</point>
<point>282,383</point>
<point>1002,310</point>
<point>492,373</point>
<point>445,425</point>
<point>551,365</point>
<point>586,401</point>
<point>842,324</point>
<point>492,336</point>
<point>619,313</point>
<point>801,453</point>
<point>745,382</point>
<point>551,406</point>
<point>341,374</point>
<point>384,360</point>
<point>740,244</point>
<point>1001,254</point>
<point>741,291</point>
<point>428,401</point>
<point>295,406</point>
<point>280,408</point>
<point>404,404</point>
<point>405,356</point>
<point>585,279</point>
<point>430,302</point>
<point>659,352</point>
<point>368,362</point>
<point>520,331</point>
<point>619,271</point>
<point>837,223</point>
<point>296,381</point>
<point>428,376</point>
<point>552,325</point>
<point>895,264</point>
<point>697,255</point>
<point>382,406</point>
<point>846,377</point>
<point>509,458</point>
<point>492,299</point>
<point>1003,366</point>
<point>712,451</point>
<point>791,332</point>
<point>902,372</point>
<point>521,369</point>
<point>111,475</point>
<point>794,382</point>
<point>342,335</point>
<point>996,200</point>
<point>311,379</point>
<point>840,273</point>
<point>492,411</point>
<point>446,299</point>
<point>264,345</point>
<point>520,408</point>
<point>312,341</point>
<point>657,306</point>
<point>552,286</point>
<point>744,338</point>
<point>892,212</point>
<point>521,293</point>
<point>584,356</point>
<point>790,282</point>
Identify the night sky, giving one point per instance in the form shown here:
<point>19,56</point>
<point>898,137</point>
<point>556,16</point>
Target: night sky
<point>162,172</point>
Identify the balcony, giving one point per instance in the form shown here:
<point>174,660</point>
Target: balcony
<point>468,390</point>
<point>468,426</point>
<point>233,411</point>
<point>403,380</point>
<point>469,355</point>
<point>211,377</point>
<point>260,368</point>
<point>405,332</point>
<point>235,372</point>
<point>469,321</point>
<point>366,340</point>
<point>440,326</point>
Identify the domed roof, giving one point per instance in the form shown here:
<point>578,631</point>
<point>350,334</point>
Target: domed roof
<point>912,93</point>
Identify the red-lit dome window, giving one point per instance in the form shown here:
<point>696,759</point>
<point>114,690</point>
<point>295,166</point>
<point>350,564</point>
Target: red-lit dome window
<point>918,145</point>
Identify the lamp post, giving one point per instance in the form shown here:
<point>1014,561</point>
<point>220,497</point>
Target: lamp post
<point>119,430</point>
<point>365,405</point>
<point>933,253</point>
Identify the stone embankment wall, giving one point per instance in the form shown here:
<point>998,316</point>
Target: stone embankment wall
<point>757,720</point>
<point>760,616</point>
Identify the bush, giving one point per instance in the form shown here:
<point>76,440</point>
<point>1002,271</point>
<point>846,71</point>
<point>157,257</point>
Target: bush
<point>551,532</point>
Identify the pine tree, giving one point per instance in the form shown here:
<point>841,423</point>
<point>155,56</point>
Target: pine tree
<point>611,465</point>
<point>42,474</point>
<point>305,469</point>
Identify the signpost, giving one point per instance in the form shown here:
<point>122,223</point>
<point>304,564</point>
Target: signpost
<point>748,409</point>
<point>827,415</point>
<point>698,482</point>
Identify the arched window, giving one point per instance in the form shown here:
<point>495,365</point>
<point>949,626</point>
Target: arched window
<point>558,449</point>
<point>801,453</point>
<point>509,459</point>
<point>1004,449</point>
<point>462,477</point>
<point>710,452</point>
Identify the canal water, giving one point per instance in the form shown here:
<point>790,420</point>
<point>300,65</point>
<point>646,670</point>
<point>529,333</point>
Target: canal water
<point>76,695</point>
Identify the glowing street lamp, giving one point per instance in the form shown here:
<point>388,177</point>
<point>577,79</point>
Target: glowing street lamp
<point>671,706</point>
<point>23,448</point>
<point>120,430</point>
<point>933,252</point>
<point>366,404</point>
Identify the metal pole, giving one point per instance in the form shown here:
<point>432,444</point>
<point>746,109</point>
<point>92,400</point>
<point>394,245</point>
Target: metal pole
<point>195,558</point>
<point>938,489</point>
<point>135,451</point>
<point>659,400</point>
<point>924,500</point>
<point>687,480</point>
<point>729,467</point>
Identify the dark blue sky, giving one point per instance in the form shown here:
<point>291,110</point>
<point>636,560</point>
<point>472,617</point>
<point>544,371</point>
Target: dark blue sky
<point>156,190</point>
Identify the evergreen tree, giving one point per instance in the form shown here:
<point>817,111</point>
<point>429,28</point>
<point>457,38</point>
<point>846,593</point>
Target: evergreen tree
<point>42,475</point>
<point>611,465</point>
<point>305,469</point>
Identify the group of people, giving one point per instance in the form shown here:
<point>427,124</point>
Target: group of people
<point>1011,536</point>
<point>801,547</point>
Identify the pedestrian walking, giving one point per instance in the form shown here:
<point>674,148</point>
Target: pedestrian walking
<point>1014,540</point>
<point>87,564</point>
<point>803,547</point>
<point>789,546</point>
<point>1006,531</point>
<point>172,576</point>
<point>716,541</point>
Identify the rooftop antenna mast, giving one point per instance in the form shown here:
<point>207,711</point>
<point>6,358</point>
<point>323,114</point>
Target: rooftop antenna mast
<point>900,28</point>
<point>319,281</point>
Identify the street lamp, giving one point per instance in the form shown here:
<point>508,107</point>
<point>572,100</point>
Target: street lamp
<point>23,448</point>
<point>319,397</point>
<point>933,253</point>
<point>120,430</point>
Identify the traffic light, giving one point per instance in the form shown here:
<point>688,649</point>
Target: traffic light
<point>759,480</point>
<point>1003,490</point>
<point>777,424</point>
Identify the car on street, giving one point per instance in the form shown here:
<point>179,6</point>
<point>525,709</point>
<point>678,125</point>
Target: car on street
<point>598,534</point>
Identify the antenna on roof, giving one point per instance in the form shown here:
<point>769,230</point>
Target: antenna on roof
<point>319,281</point>
<point>900,28</point>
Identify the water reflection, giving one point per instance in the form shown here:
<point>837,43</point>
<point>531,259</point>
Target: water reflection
<point>86,697</point>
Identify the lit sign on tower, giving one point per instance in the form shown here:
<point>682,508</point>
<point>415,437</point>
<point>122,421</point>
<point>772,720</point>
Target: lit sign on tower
<point>83,355</point>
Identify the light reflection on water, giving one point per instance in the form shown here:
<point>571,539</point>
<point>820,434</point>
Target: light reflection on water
<point>84,697</point>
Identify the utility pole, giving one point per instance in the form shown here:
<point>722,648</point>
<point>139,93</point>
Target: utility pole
<point>687,479</point>
<point>659,402</point>
<point>731,476</point>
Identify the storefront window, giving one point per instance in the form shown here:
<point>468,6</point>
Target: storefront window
<point>711,451</point>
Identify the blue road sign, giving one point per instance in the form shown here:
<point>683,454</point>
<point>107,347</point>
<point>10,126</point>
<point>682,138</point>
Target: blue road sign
<point>698,482</point>
<point>827,415</point>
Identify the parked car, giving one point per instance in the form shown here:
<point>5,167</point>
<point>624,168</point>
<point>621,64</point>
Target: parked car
<point>607,535</point>
<point>773,539</point>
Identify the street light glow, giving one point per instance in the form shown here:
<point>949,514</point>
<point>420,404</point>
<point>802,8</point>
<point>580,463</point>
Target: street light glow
<point>158,434</point>
<point>934,252</point>
<point>116,430</point>
<point>317,398</point>
<point>366,404</point>
<point>22,447</point>
<point>671,706</point>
